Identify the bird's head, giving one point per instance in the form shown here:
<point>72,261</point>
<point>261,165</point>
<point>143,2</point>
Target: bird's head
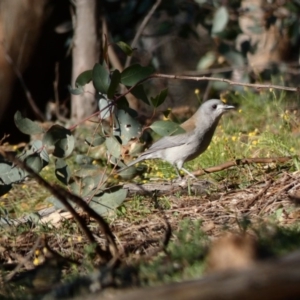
<point>214,109</point>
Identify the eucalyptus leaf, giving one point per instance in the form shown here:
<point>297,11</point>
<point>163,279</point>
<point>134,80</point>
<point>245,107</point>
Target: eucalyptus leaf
<point>105,107</point>
<point>165,128</point>
<point>108,202</point>
<point>88,185</point>
<point>61,139</point>
<point>58,204</point>
<point>11,174</point>
<point>206,61</point>
<point>84,78</point>
<point>130,128</point>
<point>125,48</point>
<point>135,73</point>
<point>76,91</point>
<point>35,162</point>
<point>160,98</point>
<point>101,78</point>
<point>114,83</point>
<point>83,159</point>
<point>62,171</point>
<point>220,20</point>
<point>95,140</point>
<point>113,146</point>
<point>26,126</point>
<point>139,92</point>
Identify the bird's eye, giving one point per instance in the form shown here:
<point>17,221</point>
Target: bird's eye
<point>214,106</point>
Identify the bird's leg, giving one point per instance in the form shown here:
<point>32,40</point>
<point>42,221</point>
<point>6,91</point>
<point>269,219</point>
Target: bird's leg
<point>177,172</point>
<point>189,173</point>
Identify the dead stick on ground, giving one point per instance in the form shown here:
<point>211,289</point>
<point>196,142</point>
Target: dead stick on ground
<point>259,194</point>
<point>243,161</point>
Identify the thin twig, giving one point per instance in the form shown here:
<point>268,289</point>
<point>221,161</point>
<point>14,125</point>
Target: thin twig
<point>141,29</point>
<point>9,276</point>
<point>230,82</point>
<point>56,95</point>
<point>28,95</point>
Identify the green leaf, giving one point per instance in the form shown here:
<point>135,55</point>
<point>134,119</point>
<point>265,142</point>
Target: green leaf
<point>206,61</point>
<point>57,203</point>
<point>105,107</point>
<point>129,127</point>
<point>165,128</point>
<point>35,162</point>
<point>62,171</point>
<point>26,126</point>
<point>125,48</point>
<point>10,174</point>
<point>61,139</point>
<point>108,202</point>
<point>95,140</point>
<point>83,159</point>
<point>233,57</point>
<point>220,20</point>
<point>160,98</point>
<point>87,185</point>
<point>101,78</point>
<point>84,78</point>
<point>135,73</point>
<point>76,91</point>
<point>114,83</point>
<point>139,92</point>
<point>113,146</point>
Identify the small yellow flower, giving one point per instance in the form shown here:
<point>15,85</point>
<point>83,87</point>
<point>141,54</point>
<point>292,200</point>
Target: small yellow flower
<point>254,143</point>
<point>234,138</point>
<point>292,149</point>
<point>239,110</point>
<point>197,91</point>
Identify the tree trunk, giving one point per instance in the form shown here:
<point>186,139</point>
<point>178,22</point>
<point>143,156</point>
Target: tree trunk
<point>20,25</point>
<point>85,55</point>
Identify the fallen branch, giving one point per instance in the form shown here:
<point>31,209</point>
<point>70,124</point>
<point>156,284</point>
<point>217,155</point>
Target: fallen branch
<point>243,161</point>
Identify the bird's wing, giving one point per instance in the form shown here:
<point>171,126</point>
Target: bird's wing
<point>169,142</point>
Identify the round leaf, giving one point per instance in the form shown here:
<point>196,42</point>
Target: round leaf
<point>101,78</point>
<point>125,48</point>
<point>104,107</point>
<point>62,171</point>
<point>220,20</point>
<point>84,78</point>
<point>129,127</point>
<point>134,73</point>
<point>26,126</point>
<point>114,83</point>
<point>61,139</point>
<point>108,202</point>
<point>139,92</point>
<point>160,98</point>
<point>113,146</point>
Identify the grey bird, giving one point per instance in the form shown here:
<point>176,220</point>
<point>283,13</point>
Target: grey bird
<point>199,130</point>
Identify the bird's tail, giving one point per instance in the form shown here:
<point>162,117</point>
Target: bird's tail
<point>131,164</point>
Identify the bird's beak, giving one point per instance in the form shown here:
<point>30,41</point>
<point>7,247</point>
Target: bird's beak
<point>226,107</point>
